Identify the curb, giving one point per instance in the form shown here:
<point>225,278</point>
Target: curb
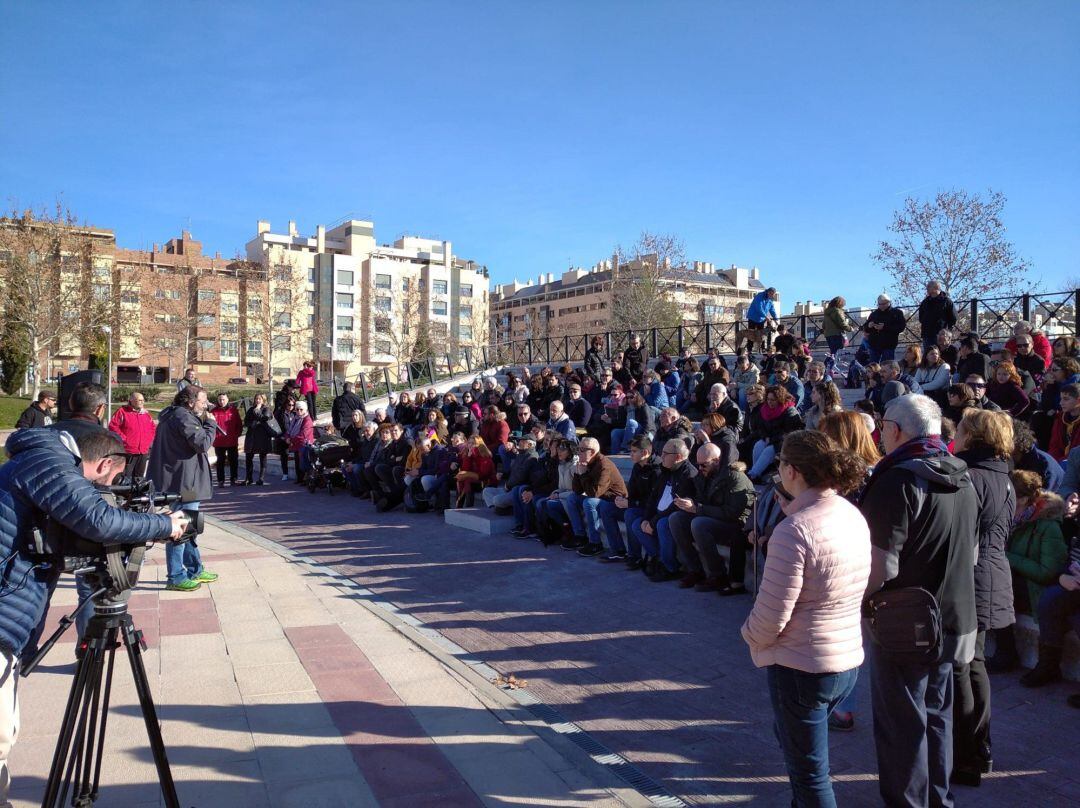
<point>589,757</point>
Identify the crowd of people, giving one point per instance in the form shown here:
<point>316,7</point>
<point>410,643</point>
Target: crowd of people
<point>912,528</point>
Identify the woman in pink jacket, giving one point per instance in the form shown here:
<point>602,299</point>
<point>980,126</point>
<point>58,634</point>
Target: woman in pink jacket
<point>309,386</point>
<point>805,625</point>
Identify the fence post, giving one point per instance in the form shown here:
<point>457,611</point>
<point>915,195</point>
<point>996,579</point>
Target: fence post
<point>1025,307</point>
<point>408,374</point>
<point>653,343</point>
<point>529,352</point>
<point>449,366</point>
<point>680,339</point>
<point>566,348</point>
<point>974,307</point>
<point>708,337</point>
<point>363,386</point>
<point>607,343</point>
<point>802,326</point>
<point>431,369</point>
<point>484,357</point>
<point>547,350</point>
<point>386,378</point>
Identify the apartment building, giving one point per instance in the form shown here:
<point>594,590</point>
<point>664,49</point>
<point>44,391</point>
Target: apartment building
<point>580,300</point>
<point>344,301</point>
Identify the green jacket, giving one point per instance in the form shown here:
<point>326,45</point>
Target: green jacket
<point>1037,550</point>
<point>834,323</point>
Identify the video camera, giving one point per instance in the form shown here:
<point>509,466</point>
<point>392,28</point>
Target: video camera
<point>118,562</point>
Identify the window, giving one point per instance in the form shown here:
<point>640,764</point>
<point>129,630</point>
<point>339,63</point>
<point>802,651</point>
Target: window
<point>465,331</point>
<point>712,312</point>
<point>205,344</point>
<point>254,347</point>
<point>465,311</point>
<point>345,346</point>
<point>312,299</point>
<point>102,291</point>
<point>344,323</point>
<point>166,318</point>
<point>313,346</point>
<point>282,372</point>
<point>283,272</point>
<point>283,296</point>
<point>345,277</point>
<point>281,342</point>
<point>344,301</point>
<point>382,346</point>
<point>405,285</point>
<point>466,290</point>
<point>229,327</point>
<point>438,307</point>
<point>311,320</point>
<point>168,342</point>
<point>382,281</point>
<point>254,304</point>
<point>438,287</point>
<point>206,319</point>
<point>283,320</point>
<point>129,296</point>
<point>230,347</point>
<point>383,304</point>
<point>230,303</point>
<point>311,275</point>
<point>382,325</point>
<point>206,295</point>
<point>168,294</point>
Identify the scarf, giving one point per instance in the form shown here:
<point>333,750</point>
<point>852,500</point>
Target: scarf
<point>929,446</point>
<point>772,413</point>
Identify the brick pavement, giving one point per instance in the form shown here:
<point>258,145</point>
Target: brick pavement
<point>657,674</point>
<point>276,686</point>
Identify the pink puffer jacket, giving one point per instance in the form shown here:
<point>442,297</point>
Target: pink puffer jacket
<point>807,612</point>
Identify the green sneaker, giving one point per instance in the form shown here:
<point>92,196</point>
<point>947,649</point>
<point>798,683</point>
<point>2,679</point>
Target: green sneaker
<point>206,577</point>
<point>187,585</point>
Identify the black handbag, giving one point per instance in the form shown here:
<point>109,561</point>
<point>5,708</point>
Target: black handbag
<point>906,623</point>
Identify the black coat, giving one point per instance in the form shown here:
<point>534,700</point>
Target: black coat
<point>643,480</point>
<point>727,494</point>
<point>594,364</point>
<point>178,461</point>
<point>634,360</point>
<point>259,438</point>
<point>975,363</point>
<point>893,320</point>
<point>33,417</point>
<point>681,480</point>
<point>997,502</point>
<point>732,414</point>
<point>343,409</point>
<point>936,314</point>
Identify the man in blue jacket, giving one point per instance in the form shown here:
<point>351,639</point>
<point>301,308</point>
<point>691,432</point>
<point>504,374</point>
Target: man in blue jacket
<point>49,476</point>
<point>761,319</point>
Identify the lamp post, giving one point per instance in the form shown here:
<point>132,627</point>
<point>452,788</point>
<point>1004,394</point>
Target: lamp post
<point>333,379</point>
<point>108,375</point>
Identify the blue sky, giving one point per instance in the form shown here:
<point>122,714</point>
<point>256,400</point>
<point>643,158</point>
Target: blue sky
<point>533,135</point>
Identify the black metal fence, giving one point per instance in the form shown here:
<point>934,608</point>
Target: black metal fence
<point>991,318</point>
<point>391,379</point>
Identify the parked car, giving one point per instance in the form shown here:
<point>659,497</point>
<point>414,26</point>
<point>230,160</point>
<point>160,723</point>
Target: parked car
<point>239,380</point>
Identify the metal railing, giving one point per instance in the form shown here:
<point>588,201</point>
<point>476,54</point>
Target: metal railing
<point>424,372</point>
<point>991,318</point>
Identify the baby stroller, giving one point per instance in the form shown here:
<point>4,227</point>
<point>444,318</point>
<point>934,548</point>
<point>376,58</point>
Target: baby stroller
<point>327,466</point>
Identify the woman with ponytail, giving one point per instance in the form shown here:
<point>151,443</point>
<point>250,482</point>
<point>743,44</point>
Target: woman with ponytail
<point>805,624</point>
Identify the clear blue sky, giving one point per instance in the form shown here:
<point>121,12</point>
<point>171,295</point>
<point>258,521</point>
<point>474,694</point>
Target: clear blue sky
<point>771,134</point>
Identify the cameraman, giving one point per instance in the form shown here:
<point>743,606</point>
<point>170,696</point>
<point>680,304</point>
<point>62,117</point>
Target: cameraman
<point>46,478</point>
<point>178,465</point>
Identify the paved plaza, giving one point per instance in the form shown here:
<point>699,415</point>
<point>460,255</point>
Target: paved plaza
<point>284,685</point>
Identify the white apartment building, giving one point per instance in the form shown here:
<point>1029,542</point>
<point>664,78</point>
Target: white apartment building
<point>344,299</point>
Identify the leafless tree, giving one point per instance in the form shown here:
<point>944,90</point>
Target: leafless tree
<point>641,286</point>
<point>271,312</point>
<point>957,238</point>
<point>398,323</point>
<point>58,292</point>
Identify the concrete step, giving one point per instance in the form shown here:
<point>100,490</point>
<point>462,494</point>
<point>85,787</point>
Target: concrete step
<point>479,520</point>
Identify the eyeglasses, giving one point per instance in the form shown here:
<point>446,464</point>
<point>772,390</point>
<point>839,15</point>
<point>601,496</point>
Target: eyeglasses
<point>977,384</point>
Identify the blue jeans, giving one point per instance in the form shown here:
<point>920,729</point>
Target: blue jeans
<point>555,511</point>
<point>84,590</point>
<point>522,509</point>
<point>886,355</point>
<point>1059,608</point>
<point>620,438</point>
<point>913,729</point>
<point>611,517</point>
<point>763,456</point>
<point>583,515</point>
<point>632,518</point>
<point>659,544</point>
<point>183,560</point>
<point>802,703</point>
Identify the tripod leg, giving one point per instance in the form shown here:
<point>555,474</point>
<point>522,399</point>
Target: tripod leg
<point>90,789</point>
<point>133,642</point>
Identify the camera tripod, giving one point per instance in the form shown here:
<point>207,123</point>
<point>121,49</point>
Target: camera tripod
<point>76,763</point>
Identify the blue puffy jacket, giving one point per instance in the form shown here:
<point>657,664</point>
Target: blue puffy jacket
<point>43,477</point>
<point>760,308</point>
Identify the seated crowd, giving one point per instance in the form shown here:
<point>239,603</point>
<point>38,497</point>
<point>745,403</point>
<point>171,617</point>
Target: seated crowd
<point>725,457</point>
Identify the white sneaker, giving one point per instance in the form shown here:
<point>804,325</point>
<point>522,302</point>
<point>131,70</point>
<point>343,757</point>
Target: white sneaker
<point>284,478</point>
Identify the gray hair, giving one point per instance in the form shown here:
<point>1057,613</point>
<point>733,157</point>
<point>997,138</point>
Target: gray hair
<point>590,443</point>
<point>884,298</point>
<point>915,415</point>
<point>717,387</point>
<point>301,406</point>
<point>678,446</point>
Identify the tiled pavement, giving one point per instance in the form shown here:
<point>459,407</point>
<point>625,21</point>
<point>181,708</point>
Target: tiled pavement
<point>276,686</point>
<point>657,674</point>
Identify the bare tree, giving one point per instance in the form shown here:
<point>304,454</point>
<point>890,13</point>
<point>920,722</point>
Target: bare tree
<point>56,295</point>
<point>958,238</point>
<point>271,312</point>
<point>399,325</point>
<point>642,295</point>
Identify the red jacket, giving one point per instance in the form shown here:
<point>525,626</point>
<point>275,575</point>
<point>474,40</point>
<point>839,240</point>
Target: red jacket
<point>495,433</point>
<point>1040,346</point>
<point>483,466</point>
<point>307,381</point>
<point>302,435</point>
<point>228,418</point>
<point>136,429</point>
<point>1061,442</point>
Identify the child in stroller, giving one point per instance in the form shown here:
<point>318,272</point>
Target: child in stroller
<point>326,460</point>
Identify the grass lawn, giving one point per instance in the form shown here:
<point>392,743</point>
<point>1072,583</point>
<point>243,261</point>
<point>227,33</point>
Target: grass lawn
<point>10,410</point>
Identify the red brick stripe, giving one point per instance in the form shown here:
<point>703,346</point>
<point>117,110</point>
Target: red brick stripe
<point>401,764</point>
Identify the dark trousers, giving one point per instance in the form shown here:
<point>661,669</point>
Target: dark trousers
<point>802,703</point>
<point>971,710</point>
<point>698,538</point>
<point>913,727</point>
<point>310,398</point>
<point>230,455</point>
<point>284,457</point>
<point>135,468</point>
<point>1059,610</point>
<point>249,465</point>
<point>392,479</point>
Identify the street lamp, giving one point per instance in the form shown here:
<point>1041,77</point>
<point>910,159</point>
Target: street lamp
<point>333,385</point>
<point>108,376</point>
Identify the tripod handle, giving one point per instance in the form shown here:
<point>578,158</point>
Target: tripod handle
<point>65,622</point>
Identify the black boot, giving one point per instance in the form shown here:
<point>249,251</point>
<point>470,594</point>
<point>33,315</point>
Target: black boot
<point>1048,670</point>
<point>1005,656</point>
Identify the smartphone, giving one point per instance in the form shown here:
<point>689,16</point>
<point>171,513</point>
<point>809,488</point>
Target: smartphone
<point>778,487</point>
